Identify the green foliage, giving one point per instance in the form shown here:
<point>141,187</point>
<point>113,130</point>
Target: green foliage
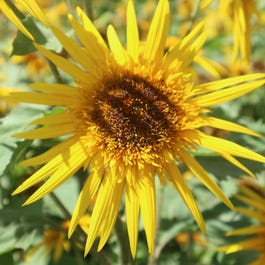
<point>22,228</point>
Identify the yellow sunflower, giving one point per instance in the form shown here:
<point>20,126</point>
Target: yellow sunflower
<point>254,196</point>
<point>133,115</point>
<point>241,13</point>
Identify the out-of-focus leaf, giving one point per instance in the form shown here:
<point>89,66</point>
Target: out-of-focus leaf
<point>15,122</point>
<point>6,259</point>
<point>23,45</point>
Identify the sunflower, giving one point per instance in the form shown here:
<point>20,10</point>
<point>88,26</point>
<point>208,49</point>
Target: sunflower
<point>253,195</point>
<point>132,115</point>
<point>241,13</point>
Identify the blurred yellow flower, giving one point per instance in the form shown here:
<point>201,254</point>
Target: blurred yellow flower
<point>240,12</point>
<point>55,241</point>
<point>133,114</point>
<point>36,65</point>
<point>6,103</point>
<point>253,195</point>
<point>197,238</point>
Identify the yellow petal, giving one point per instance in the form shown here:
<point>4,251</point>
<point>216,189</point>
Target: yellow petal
<point>111,215</point>
<point>210,66</point>
<point>50,154</point>
<point>252,213</point>
<point>63,117</point>
<point>146,195</point>
<point>179,183</point>
<point>116,48</point>
<point>71,161</point>
<point>79,54</point>
<point>90,27</point>
<point>132,32</point>
<point>227,125</point>
<point>96,50</point>
<point>76,72</point>
<point>104,203</point>
<point>44,99</point>
<point>87,194</point>
<point>50,131</point>
<point>247,230</point>
<point>202,175</point>
<point>249,244</point>
<point>33,8</point>
<point>235,162</point>
<point>14,19</point>
<point>132,217</point>
<point>58,89</point>
<point>227,94</point>
<point>258,204</point>
<point>157,35</point>
<point>225,146</point>
<point>186,42</point>
<point>228,82</point>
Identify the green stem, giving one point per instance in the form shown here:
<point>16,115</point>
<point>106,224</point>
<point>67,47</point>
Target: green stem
<point>61,206</point>
<point>55,72</point>
<point>125,257</point>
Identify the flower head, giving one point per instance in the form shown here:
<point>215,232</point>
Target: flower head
<point>54,243</point>
<point>133,114</point>
<point>253,195</point>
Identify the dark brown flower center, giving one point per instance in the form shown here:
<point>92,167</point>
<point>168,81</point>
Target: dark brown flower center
<point>132,112</point>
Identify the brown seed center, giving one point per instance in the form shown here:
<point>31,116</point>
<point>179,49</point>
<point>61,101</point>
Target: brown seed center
<point>132,112</point>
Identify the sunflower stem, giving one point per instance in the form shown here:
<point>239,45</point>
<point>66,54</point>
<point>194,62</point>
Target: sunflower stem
<point>61,206</point>
<point>125,257</point>
<point>55,72</point>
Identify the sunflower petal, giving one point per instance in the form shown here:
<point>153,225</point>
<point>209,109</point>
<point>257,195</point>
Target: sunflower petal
<point>228,82</point>
<point>228,94</point>
<point>202,175</point>
<point>50,131</point>
<point>71,46</point>
<point>111,215</point>
<point>247,231</point>
<point>146,193</point>
<point>12,17</point>
<point>103,203</point>
<point>76,72</point>
<point>51,153</point>
<point>44,99</point>
<point>86,195</point>
<point>90,27</point>
<point>71,160</point>
<point>157,35</point>
<point>227,125</point>
<point>225,146</point>
<point>179,183</point>
<point>132,32</point>
<point>33,8</point>
<point>132,217</point>
<point>116,48</point>
<point>235,162</point>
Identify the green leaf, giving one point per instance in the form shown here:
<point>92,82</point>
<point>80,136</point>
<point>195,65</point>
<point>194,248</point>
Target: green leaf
<point>15,122</point>
<point>23,45</point>
<point>7,259</point>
